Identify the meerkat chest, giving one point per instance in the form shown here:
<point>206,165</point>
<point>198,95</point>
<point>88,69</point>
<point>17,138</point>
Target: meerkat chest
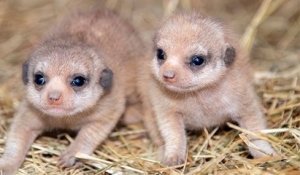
<point>64,123</point>
<point>199,110</point>
<point>207,110</point>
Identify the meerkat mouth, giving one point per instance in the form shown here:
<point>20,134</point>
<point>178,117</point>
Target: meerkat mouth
<point>177,88</point>
<point>58,111</point>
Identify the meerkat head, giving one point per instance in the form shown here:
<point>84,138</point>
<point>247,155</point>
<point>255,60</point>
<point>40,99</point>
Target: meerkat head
<point>191,52</point>
<point>63,80</point>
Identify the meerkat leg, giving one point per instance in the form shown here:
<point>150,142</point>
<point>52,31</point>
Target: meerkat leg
<point>20,137</point>
<point>152,128</point>
<point>87,140</point>
<point>256,123</point>
<point>171,126</point>
<point>153,132</point>
<point>149,119</point>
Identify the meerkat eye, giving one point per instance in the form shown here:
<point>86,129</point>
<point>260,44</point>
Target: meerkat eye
<point>197,60</point>
<point>78,81</point>
<point>39,79</point>
<point>160,54</point>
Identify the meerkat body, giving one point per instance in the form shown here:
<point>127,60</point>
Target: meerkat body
<point>80,77</point>
<point>199,78</point>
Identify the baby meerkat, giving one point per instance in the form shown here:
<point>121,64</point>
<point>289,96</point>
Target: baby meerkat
<point>80,77</point>
<point>198,78</point>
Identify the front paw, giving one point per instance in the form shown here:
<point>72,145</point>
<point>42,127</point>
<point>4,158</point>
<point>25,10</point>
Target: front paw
<point>173,159</point>
<point>265,149</point>
<point>6,168</point>
<point>67,159</point>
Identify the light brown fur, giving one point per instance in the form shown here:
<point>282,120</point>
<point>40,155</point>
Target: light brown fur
<point>91,44</point>
<point>204,96</point>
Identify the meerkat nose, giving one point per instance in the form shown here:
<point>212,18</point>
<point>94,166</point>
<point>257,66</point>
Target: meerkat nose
<point>169,75</point>
<point>55,98</point>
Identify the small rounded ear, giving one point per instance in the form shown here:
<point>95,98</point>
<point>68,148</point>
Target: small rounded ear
<point>229,55</point>
<point>25,75</point>
<point>106,79</point>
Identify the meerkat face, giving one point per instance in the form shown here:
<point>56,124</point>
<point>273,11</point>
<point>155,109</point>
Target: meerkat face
<point>190,53</point>
<point>65,81</point>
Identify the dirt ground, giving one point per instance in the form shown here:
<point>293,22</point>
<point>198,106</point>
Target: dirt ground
<point>268,29</point>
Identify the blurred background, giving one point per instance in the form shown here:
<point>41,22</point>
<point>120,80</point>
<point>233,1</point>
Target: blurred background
<point>268,29</point>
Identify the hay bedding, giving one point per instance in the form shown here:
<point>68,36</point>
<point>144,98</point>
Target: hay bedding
<point>270,31</point>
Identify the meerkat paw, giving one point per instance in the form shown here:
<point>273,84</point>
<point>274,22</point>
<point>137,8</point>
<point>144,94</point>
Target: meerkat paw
<point>68,159</point>
<point>265,149</point>
<point>157,140</point>
<point>6,168</point>
<point>172,160</point>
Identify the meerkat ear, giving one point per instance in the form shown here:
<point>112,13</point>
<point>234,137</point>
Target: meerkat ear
<point>106,79</point>
<point>229,55</point>
<point>25,67</point>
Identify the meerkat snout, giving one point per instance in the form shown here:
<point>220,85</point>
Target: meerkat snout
<point>167,67</point>
<point>54,92</point>
<point>169,75</point>
<point>168,72</point>
<point>55,98</point>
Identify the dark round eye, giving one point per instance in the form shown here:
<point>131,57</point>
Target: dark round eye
<point>197,60</point>
<point>78,81</point>
<point>39,79</point>
<point>160,54</point>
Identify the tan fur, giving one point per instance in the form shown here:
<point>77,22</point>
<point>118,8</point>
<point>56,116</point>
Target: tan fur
<point>87,43</point>
<point>197,97</point>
